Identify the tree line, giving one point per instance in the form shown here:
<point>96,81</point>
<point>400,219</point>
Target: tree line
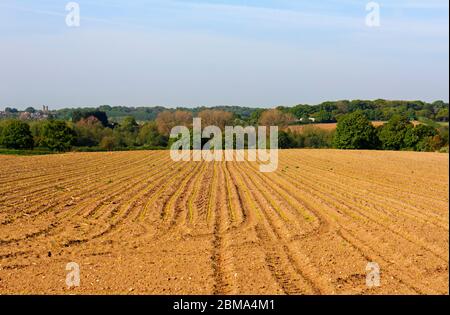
<point>325,112</point>
<point>377,110</point>
<point>355,131</point>
<point>91,130</point>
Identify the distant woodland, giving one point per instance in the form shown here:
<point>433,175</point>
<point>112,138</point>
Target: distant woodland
<point>402,125</point>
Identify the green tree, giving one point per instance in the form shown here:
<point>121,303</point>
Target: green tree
<point>443,133</point>
<point>255,116</point>
<point>149,135</point>
<point>57,136</point>
<point>16,135</point>
<point>415,137</point>
<point>129,124</point>
<point>314,137</point>
<point>89,132</point>
<point>442,115</point>
<point>355,131</point>
<point>127,132</point>
<point>392,135</point>
<point>430,144</point>
<point>323,116</point>
<point>424,113</point>
<point>109,143</point>
<point>285,140</point>
<point>301,111</point>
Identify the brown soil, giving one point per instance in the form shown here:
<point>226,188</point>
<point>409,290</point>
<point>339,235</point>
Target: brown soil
<point>138,223</point>
<point>332,126</point>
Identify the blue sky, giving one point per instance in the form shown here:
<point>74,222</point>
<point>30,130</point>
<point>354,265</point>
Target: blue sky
<point>213,52</point>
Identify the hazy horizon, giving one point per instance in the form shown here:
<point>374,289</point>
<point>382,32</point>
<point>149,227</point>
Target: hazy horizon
<point>39,107</point>
<point>221,53</point>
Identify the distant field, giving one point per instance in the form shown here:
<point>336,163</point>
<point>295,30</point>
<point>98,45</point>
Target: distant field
<point>332,126</point>
<point>136,223</point>
<point>300,128</point>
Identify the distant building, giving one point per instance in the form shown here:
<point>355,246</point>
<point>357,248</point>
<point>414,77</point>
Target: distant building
<point>37,115</point>
<point>307,120</point>
<point>25,116</point>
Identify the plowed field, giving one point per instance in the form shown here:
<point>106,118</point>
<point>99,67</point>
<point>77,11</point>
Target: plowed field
<point>139,223</point>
